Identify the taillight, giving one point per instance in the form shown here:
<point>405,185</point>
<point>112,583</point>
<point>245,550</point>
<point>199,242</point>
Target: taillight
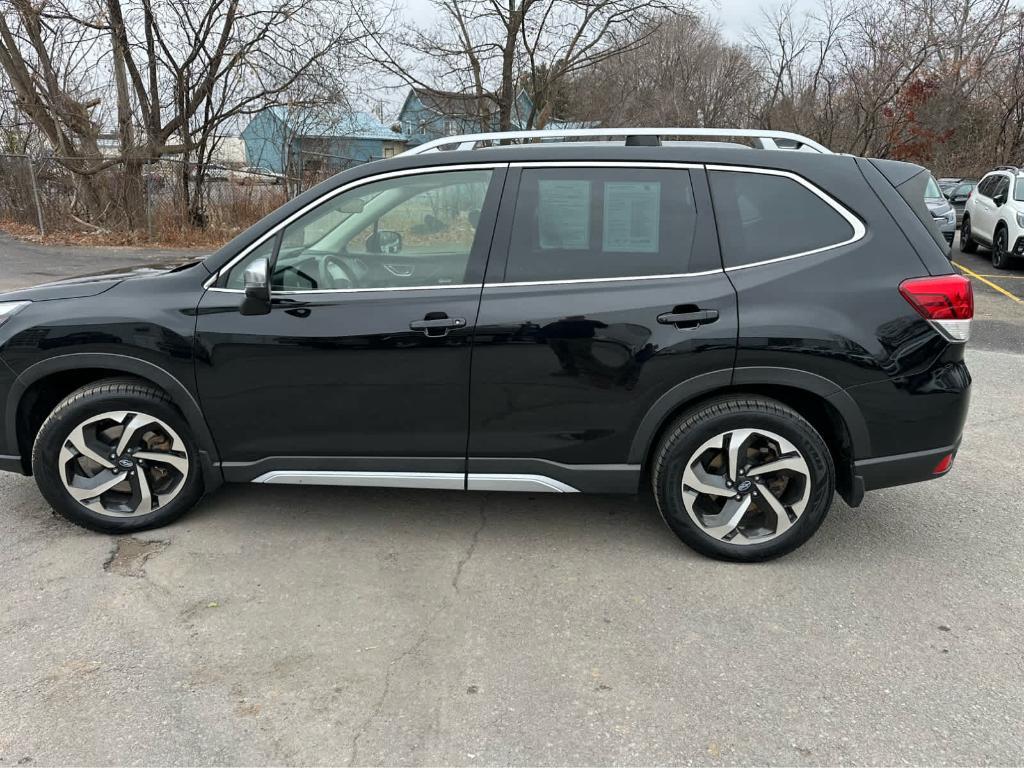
<point>947,302</point>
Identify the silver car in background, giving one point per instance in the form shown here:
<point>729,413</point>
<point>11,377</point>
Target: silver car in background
<point>943,213</point>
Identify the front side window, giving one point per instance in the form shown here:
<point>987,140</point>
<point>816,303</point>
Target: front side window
<point>586,223</point>
<point>405,232</point>
<point>764,216</point>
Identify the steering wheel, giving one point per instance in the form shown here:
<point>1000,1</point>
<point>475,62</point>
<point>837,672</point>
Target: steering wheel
<point>334,273</point>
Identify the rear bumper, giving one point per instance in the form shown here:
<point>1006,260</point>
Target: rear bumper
<point>887,471</point>
<point>12,464</point>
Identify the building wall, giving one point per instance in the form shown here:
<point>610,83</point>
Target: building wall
<point>264,139</point>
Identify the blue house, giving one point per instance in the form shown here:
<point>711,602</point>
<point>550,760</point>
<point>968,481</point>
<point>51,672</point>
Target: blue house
<point>428,115</point>
<point>301,140</point>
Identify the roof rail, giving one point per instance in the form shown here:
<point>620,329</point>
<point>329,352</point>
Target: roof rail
<point>1007,168</point>
<point>766,139</point>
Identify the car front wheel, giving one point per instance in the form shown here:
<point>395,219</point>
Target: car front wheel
<point>743,478</point>
<point>116,456</point>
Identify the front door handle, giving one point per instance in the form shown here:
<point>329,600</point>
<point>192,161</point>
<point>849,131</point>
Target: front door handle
<point>437,326</point>
<point>689,318</point>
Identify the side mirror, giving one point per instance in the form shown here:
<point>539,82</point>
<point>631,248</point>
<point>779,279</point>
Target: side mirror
<point>384,241</point>
<point>257,288</point>
<point>1001,200</point>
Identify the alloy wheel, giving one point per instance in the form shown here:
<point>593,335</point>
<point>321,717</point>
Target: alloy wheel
<point>746,486</point>
<point>123,463</point>
<point>999,249</point>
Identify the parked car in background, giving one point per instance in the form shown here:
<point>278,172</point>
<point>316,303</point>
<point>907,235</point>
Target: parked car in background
<point>947,183</point>
<point>940,209</point>
<point>958,195</point>
<point>994,216</point>
<point>254,175</point>
<point>750,332</point>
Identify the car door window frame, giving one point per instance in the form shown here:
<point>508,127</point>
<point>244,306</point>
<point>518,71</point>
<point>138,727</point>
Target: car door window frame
<point>859,230</point>
<point>477,259</point>
<point>705,236</point>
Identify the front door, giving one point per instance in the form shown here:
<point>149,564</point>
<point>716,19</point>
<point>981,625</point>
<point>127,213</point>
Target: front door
<point>611,296</point>
<point>359,374</point>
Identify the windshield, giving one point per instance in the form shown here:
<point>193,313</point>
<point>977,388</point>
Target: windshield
<point>1018,189</point>
<point>931,190</point>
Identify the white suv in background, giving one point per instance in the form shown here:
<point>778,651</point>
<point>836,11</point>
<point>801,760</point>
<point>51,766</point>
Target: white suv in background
<point>994,216</point>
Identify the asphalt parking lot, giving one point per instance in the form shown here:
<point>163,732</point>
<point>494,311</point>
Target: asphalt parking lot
<point>365,626</point>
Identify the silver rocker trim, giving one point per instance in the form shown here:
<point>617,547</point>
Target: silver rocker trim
<point>532,483</point>
<point>446,480</point>
<point>439,480</point>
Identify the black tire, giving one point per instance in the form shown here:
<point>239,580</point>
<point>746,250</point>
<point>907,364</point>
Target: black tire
<point>1000,256</point>
<point>704,422</point>
<point>967,243</point>
<point>91,400</point>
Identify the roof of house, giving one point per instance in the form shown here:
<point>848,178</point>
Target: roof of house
<point>350,125</point>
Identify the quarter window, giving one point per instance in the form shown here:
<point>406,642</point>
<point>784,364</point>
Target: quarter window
<point>762,216</point>
<point>404,232</point>
<point>585,223</point>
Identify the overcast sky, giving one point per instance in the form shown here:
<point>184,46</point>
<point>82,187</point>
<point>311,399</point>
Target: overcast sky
<point>735,15</point>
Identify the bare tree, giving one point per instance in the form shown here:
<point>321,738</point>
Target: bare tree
<point>685,74</point>
<point>171,76</point>
<point>484,49</point>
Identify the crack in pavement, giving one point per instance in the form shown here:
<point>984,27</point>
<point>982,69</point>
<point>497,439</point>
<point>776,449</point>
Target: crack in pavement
<point>420,640</point>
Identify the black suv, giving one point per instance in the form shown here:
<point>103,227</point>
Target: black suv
<point>751,330</point>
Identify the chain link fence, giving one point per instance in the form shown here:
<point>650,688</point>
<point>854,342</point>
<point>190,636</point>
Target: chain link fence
<point>167,202</point>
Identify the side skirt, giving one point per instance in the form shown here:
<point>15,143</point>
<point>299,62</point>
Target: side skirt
<point>441,480</point>
<point>528,475</point>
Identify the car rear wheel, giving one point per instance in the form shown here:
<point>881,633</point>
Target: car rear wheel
<point>1000,255</point>
<point>117,457</point>
<point>967,243</point>
<point>743,478</point>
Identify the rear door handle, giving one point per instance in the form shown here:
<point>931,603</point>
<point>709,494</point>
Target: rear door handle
<point>437,326</point>
<point>689,319</point>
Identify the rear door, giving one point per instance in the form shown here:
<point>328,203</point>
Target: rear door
<point>983,220</point>
<point>604,291</point>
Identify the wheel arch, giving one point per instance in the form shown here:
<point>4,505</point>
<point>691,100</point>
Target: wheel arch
<point>36,387</point>
<point>829,409</point>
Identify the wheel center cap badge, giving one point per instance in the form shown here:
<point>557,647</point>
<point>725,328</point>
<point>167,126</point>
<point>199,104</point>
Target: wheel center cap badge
<point>126,463</point>
<point>744,486</point>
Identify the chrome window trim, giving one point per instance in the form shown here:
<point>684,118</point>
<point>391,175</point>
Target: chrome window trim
<point>859,230</point>
<point>332,194</point>
<point>573,281</point>
<point>320,291</point>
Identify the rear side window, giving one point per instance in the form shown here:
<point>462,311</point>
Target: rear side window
<point>985,188</point>
<point>764,216</point>
<point>586,223</point>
